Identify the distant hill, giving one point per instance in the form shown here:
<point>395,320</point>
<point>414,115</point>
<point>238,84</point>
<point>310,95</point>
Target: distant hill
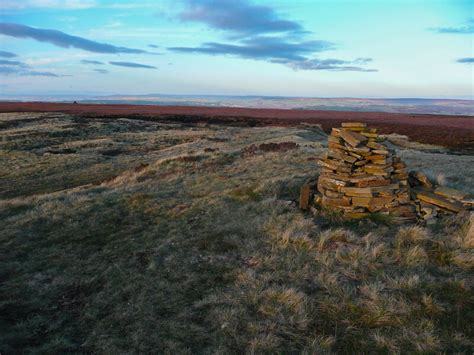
<point>398,105</point>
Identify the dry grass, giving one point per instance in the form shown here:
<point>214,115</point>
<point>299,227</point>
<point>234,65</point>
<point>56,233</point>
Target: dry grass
<point>190,247</point>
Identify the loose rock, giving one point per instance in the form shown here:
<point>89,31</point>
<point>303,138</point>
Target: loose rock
<point>360,176</point>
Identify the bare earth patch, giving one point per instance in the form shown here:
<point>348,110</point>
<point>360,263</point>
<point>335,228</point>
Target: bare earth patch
<point>128,235</point>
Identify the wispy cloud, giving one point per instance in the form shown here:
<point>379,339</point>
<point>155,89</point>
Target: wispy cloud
<point>241,18</point>
<point>363,60</point>
<point>17,68</point>
<point>12,63</point>
<point>62,39</point>
<point>326,64</point>
<point>133,65</point>
<point>101,71</point>
<point>6,54</point>
<point>467,60</point>
<point>259,33</point>
<point>261,48</point>
<point>93,62</point>
<point>465,28</point>
<point>45,59</point>
<point>56,4</point>
<point>16,71</point>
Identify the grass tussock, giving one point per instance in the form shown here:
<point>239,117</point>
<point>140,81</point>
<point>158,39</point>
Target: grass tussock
<point>187,247</point>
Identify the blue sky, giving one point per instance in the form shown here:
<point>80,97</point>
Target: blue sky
<point>322,48</point>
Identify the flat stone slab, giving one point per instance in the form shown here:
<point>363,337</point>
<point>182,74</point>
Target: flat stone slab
<point>439,201</point>
<point>353,124</point>
<point>451,193</point>
<point>354,139</point>
<point>304,196</point>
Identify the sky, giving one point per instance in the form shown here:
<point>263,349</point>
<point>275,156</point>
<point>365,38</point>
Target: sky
<point>310,48</point>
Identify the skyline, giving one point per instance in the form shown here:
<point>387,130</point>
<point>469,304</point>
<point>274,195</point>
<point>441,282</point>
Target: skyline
<point>221,47</point>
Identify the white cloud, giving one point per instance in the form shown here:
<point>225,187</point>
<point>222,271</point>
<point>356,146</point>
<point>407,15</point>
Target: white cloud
<point>44,58</point>
<point>113,24</point>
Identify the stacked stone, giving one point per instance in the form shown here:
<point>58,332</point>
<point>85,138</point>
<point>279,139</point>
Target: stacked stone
<point>360,176</point>
<point>432,200</point>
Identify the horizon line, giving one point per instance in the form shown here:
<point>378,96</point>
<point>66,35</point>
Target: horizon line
<point>462,98</point>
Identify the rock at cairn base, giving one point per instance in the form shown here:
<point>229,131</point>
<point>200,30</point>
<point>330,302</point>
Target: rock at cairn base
<point>360,176</point>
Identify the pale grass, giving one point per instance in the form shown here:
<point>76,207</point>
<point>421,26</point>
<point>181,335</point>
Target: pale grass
<point>411,235</point>
<point>464,259</point>
<point>206,252</point>
<point>415,255</point>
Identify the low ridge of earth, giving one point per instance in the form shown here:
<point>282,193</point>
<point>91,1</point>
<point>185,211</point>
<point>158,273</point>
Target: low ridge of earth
<point>128,234</point>
<point>449,131</point>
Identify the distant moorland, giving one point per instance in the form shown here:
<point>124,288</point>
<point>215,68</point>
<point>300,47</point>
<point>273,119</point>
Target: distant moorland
<point>398,105</point>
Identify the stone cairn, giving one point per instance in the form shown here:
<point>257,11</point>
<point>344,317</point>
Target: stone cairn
<point>360,176</point>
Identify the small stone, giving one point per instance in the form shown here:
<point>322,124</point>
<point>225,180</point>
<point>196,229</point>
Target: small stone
<point>421,178</point>
<point>304,196</point>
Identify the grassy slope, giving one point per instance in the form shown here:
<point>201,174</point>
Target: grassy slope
<point>199,251</point>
